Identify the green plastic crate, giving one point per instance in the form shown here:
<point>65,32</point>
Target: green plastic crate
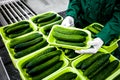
<point>24,60</point>
<point>11,50</point>
<point>51,40</point>
<point>5,38</point>
<point>75,62</point>
<point>56,22</point>
<point>113,44</point>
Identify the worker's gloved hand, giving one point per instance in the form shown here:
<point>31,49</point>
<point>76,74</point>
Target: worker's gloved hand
<point>68,21</point>
<point>96,44</point>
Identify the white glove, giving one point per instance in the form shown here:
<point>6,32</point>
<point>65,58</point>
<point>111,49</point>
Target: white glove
<point>68,21</point>
<point>96,44</point>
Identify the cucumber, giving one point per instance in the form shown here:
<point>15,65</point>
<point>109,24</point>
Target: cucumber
<point>36,59</point>
<point>70,31</point>
<point>99,69</point>
<point>21,33</point>
<point>97,64</point>
<point>104,73</point>
<point>50,21</point>
<point>44,66</point>
<point>117,77</point>
<point>90,60</point>
<point>47,50</point>
<point>48,71</point>
<point>69,38</point>
<point>41,17</point>
<point>27,44</point>
<point>15,33</point>
<point>79,64</point>
<point>67,76</point>
<point>5,28</point>
<point>43,58</point>
<point>17,28</point>
<point>46,18</point>
<point>14,25</point>
<point>72,54</point>
<point>16,41</point>
<point>31,49</point>
<point>71,43</point>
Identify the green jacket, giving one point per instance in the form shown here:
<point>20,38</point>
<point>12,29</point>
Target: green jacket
<point>106,12</point>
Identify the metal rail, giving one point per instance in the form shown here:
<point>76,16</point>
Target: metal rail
<point>13,11</point>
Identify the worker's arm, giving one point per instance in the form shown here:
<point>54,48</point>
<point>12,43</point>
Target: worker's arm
<point>112,27</point>
<point>110,30</point>
<point>72,13</point>
<point>73,8</point>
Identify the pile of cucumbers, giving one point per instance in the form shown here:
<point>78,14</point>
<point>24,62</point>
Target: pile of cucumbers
<point>97,66</point>
<point>47,62</point>
<point>27,44</point>
<point>72,37</point>
<point>46,19</point>
<point>94,29</point>
<point>18,29</point>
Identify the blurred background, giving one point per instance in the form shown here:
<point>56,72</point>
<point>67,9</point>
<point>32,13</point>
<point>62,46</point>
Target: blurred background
<point>40,6</point>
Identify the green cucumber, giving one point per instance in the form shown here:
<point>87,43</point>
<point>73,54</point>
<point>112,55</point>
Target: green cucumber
<point>20,33</point>
<point>5,28</point>
<point>50,21</point>
<point>43,58</point>
<point>72,54</point>
<point>45,51</point>
<point>14,25</point>
<point>16,41</point>
<point>44,66</point>
<point>90,60</point>
<point>97,64</point>
<point>79,64</point>
<point>31,49</point>
<point>27,44</point>
<point>48,71</point>
<point>70,31</point>
<point>17,28</point>
<point>67,76</point>
<point>71,43</point>
<point>46,18</point>
<point>41,17</point>
<point>104,73</point>
<point>69,38</point>
<point>99,69</point>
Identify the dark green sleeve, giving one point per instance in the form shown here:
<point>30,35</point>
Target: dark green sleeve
<point>73,8</point>
<point>112,27</point>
